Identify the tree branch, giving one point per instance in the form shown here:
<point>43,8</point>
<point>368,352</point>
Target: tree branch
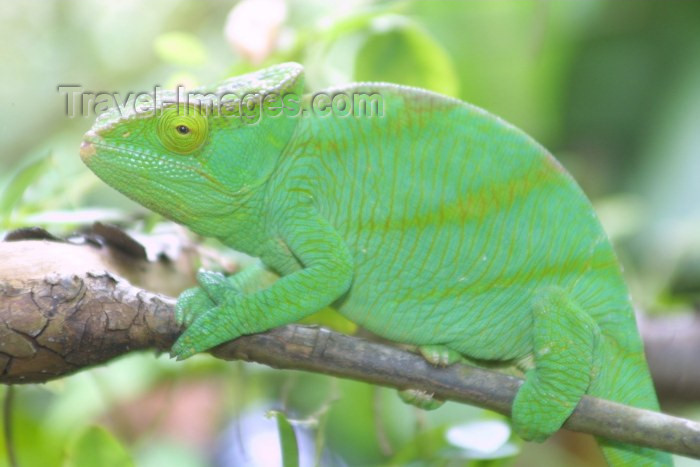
<point>61,312</point>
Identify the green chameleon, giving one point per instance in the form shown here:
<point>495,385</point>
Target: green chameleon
<point>428,221</point>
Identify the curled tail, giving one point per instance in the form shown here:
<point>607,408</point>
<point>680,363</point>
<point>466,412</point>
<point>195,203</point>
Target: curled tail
<point>624,377</point>
<point>576,354</point>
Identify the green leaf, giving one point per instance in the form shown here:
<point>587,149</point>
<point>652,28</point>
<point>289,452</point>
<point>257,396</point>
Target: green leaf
<point>400,51</point>
<point>96,446</point>
<point>13,193</point>
<point>288,441</point>
<point>180,48</point>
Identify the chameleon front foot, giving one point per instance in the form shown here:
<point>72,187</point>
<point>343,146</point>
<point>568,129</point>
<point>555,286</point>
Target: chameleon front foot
<point>420,399</point>
<point>206,312</point>
<point>211,328</point>
<point>193,302</point>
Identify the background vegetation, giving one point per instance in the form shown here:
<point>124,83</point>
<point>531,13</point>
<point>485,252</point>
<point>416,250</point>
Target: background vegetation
<point>611,88</point>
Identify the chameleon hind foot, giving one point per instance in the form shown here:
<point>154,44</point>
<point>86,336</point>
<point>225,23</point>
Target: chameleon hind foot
<point>420,399</point>
<point>439,355</point>
<point>564,340</point>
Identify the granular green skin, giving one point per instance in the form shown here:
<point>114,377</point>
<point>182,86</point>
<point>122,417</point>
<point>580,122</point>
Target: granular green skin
<point>435,224</point>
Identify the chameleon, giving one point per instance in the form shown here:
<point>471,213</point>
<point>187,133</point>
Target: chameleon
<point>431,223</point>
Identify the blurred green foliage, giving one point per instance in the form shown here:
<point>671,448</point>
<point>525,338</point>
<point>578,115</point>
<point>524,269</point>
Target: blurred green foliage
<point>96,446</point>
<point>610,87</point>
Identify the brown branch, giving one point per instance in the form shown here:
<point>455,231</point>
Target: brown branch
<point>59,313</point>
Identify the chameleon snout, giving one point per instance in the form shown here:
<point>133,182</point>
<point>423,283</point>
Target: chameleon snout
<point>87,148</point>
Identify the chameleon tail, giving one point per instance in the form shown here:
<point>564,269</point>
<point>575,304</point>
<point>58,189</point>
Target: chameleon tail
<point>626,380</point>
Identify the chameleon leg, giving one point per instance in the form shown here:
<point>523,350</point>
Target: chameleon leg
<point>564,341</point>
<point>326,274</point>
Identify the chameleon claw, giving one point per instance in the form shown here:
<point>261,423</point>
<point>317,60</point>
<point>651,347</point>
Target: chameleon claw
<point>180,352</point>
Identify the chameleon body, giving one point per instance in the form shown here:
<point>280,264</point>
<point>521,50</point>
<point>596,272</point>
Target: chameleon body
<point>435,224</point>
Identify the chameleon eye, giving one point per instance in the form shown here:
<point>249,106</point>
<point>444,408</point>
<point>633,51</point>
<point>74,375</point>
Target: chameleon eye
<point>182,130</point>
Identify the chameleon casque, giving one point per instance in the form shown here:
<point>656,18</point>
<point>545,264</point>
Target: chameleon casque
<point>435,224</point>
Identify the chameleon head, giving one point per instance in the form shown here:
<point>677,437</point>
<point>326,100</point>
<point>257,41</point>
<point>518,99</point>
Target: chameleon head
<point>194,158</point>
